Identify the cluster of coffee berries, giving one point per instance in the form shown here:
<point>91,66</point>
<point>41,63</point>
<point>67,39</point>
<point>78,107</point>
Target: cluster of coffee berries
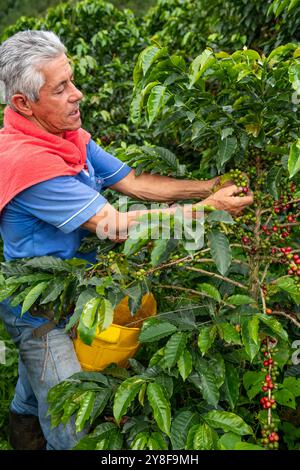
<point>270,437</point>
<point>292,260</point>
<point>283,204</point>
<point>140,274</point>
<point>275,232</point>
<point>111,255</point>
<point>294,265</point>
<point>107,259</point>
<point>240,180</point>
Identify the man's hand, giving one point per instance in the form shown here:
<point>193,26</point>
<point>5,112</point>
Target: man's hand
<point>228,199</point>
<point>226,180</point>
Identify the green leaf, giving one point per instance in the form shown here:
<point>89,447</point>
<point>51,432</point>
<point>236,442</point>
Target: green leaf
<point>217,365</point>
<point>208,383</point>
<point>227,421</point>
<point>105,314</point>
<point>280,52</point>
<point>166,156</point>
<point>285,397</point>
<point>220,251</point>
<point>137,102</point>
<point>190,437</point>
<point>88,316</point>
<point>250,337</point>
<point>202,437</point>
<point>185,364</point>
<point>53,291</point>
<point>7,291</point>
<point>288,284</point>
<point>240,300</point>
<point>247,446</point>
<point>294,159</point>
<point>33,295</point>
<point>29,279</point>
<point>228,441</point>
<point>231,385</point>
<point>69,409</point>
<point>220,216</point>
<point>227,148</point>
<point>229,333</point>
<point>83,298</point>
<point>125,395</point>
<point>174,349</point>
<point>210,290</point>
<point>16,300</point>
<point>181,425</point>
<point>161,251</point>
<point>273,180</point>
<point>253,325</point>
<point>88,321</point>
<point>135,295</point>
<point>85,410</point>
<point>199,65</point>
<point>206,338</point>
<point>150,55</point>
<point>140,442</point>
<point>252,383</point>
<point>136,107</point>
<point>292,384</point>
<point>138,237</point>
<point>160,406</point>
<point>155,330</point>
<point>49,263</point>
<point>157,99</point>
<point>102,398</point>
<point>274,325</point>
<point>103,430</point>
<point>157,442</point>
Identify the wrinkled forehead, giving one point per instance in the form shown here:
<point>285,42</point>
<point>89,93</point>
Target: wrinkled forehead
<point>56,71</point>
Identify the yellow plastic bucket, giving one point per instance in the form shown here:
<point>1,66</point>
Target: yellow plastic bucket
<point>118,342</point>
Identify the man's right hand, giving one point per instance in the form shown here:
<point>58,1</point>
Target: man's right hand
<point>228,199</point>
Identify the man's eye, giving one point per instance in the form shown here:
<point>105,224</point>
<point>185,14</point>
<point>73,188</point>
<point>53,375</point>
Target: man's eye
<point>59,92</point>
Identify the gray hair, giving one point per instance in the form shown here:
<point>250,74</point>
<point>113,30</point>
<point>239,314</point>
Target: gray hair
<point>21,58</point>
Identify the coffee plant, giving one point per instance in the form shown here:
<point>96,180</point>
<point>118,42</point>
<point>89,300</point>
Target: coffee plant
<point>215,369</point>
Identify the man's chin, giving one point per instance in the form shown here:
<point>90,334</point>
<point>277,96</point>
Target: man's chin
<point>75,125</point>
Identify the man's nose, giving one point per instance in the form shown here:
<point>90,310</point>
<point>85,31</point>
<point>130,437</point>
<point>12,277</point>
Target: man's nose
<point>76,94</point>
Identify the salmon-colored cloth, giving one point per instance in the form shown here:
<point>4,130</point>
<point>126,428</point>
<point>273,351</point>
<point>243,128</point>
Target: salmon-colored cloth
<point>30,155</point>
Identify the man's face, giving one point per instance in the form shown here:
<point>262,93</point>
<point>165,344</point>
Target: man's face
<point>57,109</point>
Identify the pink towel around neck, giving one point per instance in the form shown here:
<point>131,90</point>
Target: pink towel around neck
<point>30,155</point>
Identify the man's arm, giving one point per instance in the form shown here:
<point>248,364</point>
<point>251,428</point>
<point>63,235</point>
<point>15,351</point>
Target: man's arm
<point>112,224</point>
<point>159,188</point>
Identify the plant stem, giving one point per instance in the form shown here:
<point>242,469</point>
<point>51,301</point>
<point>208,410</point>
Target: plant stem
<point>218,276</point>
<point>288,316</point>
<point>192,291</point>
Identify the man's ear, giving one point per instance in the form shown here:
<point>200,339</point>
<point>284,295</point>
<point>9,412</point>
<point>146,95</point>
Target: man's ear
<point>22,104</point>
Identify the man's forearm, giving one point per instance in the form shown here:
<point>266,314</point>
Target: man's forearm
<point>114,224</point>
<point>159,188</point>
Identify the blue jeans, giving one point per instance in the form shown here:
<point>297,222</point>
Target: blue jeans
<point>43,363</point>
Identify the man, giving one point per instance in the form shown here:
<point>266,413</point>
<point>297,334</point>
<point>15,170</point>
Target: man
<point>51,174</point>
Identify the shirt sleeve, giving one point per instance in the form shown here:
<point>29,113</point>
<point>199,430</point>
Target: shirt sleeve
<point>63,202</point>
<point>107,167</point>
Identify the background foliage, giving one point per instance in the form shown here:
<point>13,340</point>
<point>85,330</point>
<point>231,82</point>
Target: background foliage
<point>184,93</point>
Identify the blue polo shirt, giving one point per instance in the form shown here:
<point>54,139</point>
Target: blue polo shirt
<point>45,219</point>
